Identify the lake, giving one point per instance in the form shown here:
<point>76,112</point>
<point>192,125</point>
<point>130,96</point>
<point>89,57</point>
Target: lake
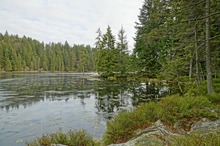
<point>33,104</point>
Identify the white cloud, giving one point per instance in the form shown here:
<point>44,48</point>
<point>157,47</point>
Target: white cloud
<point>73,20</point>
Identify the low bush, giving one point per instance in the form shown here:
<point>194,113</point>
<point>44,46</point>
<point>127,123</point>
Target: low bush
<point>121,127</point>
<point>178,107</point>
<point>214,98</point>
<point>71,138</point>
<point>169,110</point>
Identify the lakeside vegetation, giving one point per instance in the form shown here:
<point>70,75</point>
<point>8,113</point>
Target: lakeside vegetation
<point>71,138</point>
<point>185,110</point>
<point>176,41</point>
<point>182,110</point>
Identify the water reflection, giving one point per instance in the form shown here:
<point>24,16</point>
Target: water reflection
<point>27,89</point>
<point>113,96</point>
<point>34,103</point>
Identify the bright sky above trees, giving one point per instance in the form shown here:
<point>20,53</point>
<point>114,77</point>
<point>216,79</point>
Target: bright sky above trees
<point>73,20</point>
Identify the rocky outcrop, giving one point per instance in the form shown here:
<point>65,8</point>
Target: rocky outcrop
<point>160,135</point>
<point>153,136</point>
<point>205,126</point>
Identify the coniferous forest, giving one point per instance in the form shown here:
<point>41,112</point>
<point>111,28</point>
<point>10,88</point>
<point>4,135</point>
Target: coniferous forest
<point>27,54</point>
<point>174,40</point>
<point>178,39</point>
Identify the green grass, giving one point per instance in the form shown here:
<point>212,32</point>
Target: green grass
<point>71,138</point>
<point>169,110</point>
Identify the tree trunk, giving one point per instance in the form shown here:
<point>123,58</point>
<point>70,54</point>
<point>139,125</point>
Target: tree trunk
<point>208,51</point>
<point>191,64</point>
<point>197,58</point>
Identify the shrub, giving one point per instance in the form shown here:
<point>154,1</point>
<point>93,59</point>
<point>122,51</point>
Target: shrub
<point>192,89</point>
<point>123,126</point>
<point>71,138</point>
<point>176,108</point>
<point>170,110</point>
<point>214,98</point>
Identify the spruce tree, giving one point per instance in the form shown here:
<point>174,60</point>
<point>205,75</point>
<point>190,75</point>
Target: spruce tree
<point>122,46</point>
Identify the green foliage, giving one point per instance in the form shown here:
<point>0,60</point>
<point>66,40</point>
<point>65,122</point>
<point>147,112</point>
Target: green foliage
<point>214,98</point>
<point>197,139</point>
<point>71,138</point>
<point>8,66</point>
<point>192,88</point>
<point>111,56</point>
<point>169,110</point>
<point>26,54</point>
<point>177,107</point>
<point>217,85</point>
<point>169,40</point>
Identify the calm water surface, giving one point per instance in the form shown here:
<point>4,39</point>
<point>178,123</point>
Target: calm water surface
<point>32,104</point>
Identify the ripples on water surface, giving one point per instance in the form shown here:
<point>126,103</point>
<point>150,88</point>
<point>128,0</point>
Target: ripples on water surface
<point>32,104</point>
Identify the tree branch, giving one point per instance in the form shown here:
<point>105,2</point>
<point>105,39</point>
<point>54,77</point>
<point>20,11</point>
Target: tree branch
<point>201,17</point>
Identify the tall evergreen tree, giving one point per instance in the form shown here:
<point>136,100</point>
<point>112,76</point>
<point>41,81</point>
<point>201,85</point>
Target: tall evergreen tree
<point>171,38</point>
<point>150,36</point>
<point>106,54</point>
<point>8,66</point>
<point>208,50</point>
<point>122,46</point>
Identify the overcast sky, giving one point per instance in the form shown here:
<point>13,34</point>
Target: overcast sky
<point>73,20</point>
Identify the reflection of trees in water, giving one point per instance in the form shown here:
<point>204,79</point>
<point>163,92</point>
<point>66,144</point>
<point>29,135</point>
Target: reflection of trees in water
<point>110,96</point>
<point>113,95</point>
<point>32,89</point>
<point>146,91</point>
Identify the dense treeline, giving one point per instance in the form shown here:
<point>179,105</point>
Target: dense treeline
<point>27,54</point>
<point>175,39</point>
<point>112,56</point>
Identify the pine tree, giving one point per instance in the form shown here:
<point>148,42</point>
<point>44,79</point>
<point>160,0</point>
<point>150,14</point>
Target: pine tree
<point>84,62</point>
<point>106,53</point>
<point>210,88</point>
<point>1,57</point>
<point>122,46</point>
<point>150,36</point>
<point>8,66</point>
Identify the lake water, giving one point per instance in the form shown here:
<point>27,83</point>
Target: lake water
<point>32,104</point>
